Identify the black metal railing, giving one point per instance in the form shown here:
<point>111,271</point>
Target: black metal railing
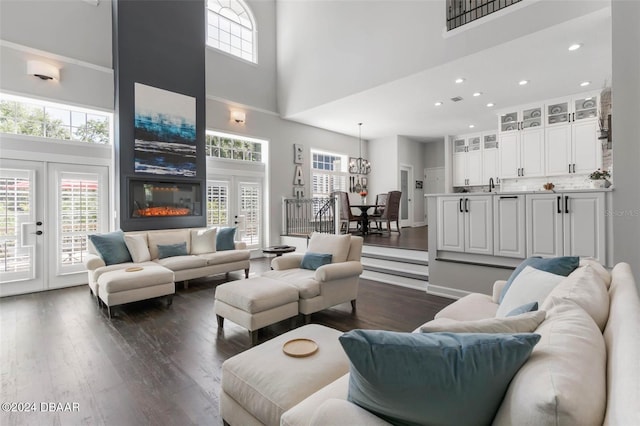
<point>460,12</point>
<point>302,216</point>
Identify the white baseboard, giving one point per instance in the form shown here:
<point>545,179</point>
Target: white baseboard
<point>417,224</point>
<point>451,293</point>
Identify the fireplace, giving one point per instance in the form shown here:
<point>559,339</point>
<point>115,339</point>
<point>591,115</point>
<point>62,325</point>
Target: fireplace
<point>156,204</point>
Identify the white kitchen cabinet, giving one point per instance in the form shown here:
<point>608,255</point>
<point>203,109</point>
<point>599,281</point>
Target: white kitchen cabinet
<point>467,160</point>
<point>566,224</point>
<point>465,223</point>
<point>490,159</point>
<point>521,153</point>
<point>509,226</point>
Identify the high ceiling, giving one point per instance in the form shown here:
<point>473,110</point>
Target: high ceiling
<point>406,106</point>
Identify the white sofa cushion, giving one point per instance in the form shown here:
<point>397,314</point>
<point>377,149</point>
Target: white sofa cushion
<point>585,287</point>
<point>471,307</point>
<point>531,285</point>
<point>225,256</point>
<point>598,268</point>
<point>336,245</point>
<point>179,263</point>
<point>168,237</point>
<point>302,279</point>
<point>564,380</point>
<point>138,247</point>
<point>203,241</point>
<point>524,323</point>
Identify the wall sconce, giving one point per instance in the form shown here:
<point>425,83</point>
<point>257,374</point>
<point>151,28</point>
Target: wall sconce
<point>43,70</point>
<point>238,116</point>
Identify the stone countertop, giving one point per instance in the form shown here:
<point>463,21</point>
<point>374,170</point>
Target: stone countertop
<point>554,191</point>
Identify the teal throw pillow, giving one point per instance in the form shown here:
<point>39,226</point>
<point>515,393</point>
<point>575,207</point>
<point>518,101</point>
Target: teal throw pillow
<point>170,250</point>
<point>315,260</point>
<point>433,378</point>
<point>527,307</point>
<point>111,247</point>
<point>225,239</point>
<point>555,265</point>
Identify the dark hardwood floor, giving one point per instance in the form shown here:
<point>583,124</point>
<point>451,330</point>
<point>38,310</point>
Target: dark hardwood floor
<point>409,238</point>
<point>151,364</point>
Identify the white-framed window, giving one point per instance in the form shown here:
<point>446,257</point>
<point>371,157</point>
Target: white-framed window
<point>232,147</point>
<point>231,28</point>
<point>328,173</point>
<point>217,203</point>
<point>25,116</point>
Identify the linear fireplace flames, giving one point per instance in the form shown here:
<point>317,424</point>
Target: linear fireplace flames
<point>151,199</point>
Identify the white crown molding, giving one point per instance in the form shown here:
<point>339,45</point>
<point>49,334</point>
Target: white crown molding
<point>243,106</point>
<point>49,55</point>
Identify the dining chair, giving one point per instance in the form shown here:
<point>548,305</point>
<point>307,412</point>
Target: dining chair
<point>381,201</point>
<point>392,210</point>
<point>346,215</point>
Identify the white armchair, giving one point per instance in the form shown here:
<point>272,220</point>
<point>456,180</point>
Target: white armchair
<point>328,285</point>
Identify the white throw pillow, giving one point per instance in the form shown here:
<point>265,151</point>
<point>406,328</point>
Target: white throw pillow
<point>203,241</point>
<point>564,380</point>
<point>523,323</point>
<point>531,285</point>
<point>336,245</point>
<point>137,245</point>
<point>585,287</point>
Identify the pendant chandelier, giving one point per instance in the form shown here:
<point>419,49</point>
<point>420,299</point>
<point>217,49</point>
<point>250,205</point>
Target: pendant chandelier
<point>359,166</point>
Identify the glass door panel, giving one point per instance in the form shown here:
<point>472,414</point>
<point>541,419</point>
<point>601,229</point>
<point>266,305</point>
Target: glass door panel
<point>249,216</point>
<point>217,203</point>
<point>474,143</point>
<point>490,141</point>
<point>532,118</point>
<point>509,122</point>
<point>458,146</point>
<point>586,108</point>
<point>558,113</point>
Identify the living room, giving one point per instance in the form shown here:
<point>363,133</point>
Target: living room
<point>288,96</point>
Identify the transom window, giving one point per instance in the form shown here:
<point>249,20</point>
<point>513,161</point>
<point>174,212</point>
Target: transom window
<point>223,145</point>
<point>32,117</point>
<point>230,28</point>
<point>328,173</point>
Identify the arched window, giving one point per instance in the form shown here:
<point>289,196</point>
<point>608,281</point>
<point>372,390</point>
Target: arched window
<point>231,28</point>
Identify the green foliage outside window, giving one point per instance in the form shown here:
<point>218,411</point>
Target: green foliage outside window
<point>235,149</point>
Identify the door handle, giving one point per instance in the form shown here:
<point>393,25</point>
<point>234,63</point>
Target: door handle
<point>559,209</point>
<point>566,204</point>
<point>38,232</point>
<point>504,197</point>
<point>460,205</point>
<point>38,223</point>
<point>466,205</point>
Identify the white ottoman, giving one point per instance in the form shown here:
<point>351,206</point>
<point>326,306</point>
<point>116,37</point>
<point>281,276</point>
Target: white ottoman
<point>260,384</point>
<point>255,303</point>
<point>118,287</point>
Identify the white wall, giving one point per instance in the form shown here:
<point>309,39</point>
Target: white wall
<point>327,50</point>
<point>626,133</point>
<point>385,171</point>
<point>281,134</point>
<point>232,79</point>
<point>412,153</point>
<point>434,154</point>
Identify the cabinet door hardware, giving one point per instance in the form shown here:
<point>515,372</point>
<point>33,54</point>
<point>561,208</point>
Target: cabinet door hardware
<point>466,205</point>
<point>559,209</point>
<point>573,116</point>
<point>569,167</point>
<point>574,167</point>
<point>566,204</point>
<point>504,197</point>
<point>461,205</point>
<point>522,171</point>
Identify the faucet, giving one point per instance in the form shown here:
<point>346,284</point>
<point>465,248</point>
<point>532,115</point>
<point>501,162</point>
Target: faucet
<point>492,185</point>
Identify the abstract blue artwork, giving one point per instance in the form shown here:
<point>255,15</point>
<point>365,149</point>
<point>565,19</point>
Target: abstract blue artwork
<point>165,132</point>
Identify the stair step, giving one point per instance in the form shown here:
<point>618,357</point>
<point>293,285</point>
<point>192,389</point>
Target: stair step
<point>397,273</point>
<point>418,284</point>
<point>395,258</point>
<point>407,255</point>
<point>395,266</point>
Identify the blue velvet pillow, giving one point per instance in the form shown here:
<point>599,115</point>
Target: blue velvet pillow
<point>556,265</point>
<point>170,250</point>
<point>433,378</point>
<point>225,239</point>
<point>527,307</point>
<point>315,260</point>
<point>111,247</point>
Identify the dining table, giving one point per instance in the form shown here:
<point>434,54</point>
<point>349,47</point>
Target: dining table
<point>364,216</point>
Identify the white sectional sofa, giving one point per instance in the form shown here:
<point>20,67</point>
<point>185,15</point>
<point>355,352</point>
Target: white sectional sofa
<point>199,262</point>
<point>585,369</point>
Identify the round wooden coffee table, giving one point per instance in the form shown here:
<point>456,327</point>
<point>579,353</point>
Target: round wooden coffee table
<point>278,250</point>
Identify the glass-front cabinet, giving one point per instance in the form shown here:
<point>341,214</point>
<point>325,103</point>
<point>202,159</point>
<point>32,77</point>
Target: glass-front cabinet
<point>570,110</point>
<point>509,122</point>
<point>522,119</point>
<point>585,108</point>
<point>558,113</point>
<point>531,117</point>
<point>474,144</point>
<point>459,145</point>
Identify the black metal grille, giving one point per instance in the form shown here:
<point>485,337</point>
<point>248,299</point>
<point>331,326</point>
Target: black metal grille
<point>462,12</point>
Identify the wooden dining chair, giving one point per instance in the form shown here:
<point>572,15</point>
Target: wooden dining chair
<point>381,201</point>
<point>392,210</point>
<point>346,215</point>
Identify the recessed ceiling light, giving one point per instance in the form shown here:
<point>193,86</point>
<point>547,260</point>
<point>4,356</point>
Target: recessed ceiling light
<point>471,126</point>
<point>477,94</point>
<point>490,104</point>
<point>438,103</point>
<point>585,83</point>
<point>523,82</point>
<point>575,46</point>
<point>460,80</point>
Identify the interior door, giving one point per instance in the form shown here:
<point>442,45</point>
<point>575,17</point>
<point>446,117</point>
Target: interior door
<point>22,227</point>
<point>406,202</point>
<point>249,214</point>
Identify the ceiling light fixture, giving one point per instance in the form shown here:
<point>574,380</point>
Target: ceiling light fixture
<point>575,46</point>
<point>477,94</point>
<point>523,82</point>
<point>585,83</point>
<point>359,166</point>
<point>471,126</point>
<point>459,80</point>
<point>439,103</point>
<point>490,104</point>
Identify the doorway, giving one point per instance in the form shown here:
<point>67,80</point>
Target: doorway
<point>406,202</point>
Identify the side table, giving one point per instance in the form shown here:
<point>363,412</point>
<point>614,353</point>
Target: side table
<point>278,250</point>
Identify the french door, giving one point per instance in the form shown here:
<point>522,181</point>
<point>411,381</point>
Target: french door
<point>46,212</point>
<point>237,201</point>
<point>406,201</point>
